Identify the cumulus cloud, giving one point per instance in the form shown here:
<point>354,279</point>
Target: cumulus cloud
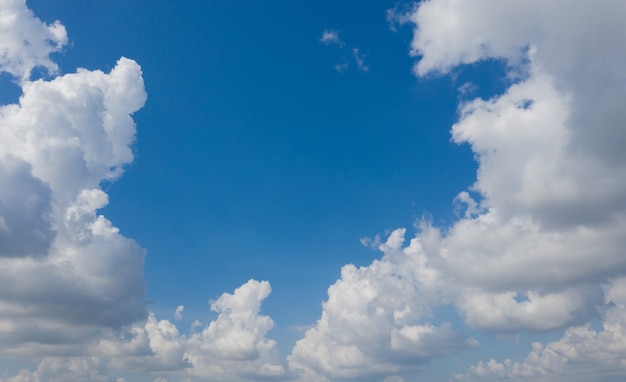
<point>542,229</point>
<point>376,319</point>
<point>232,347</point>
<point>579,354</point>
<point>27,41</point>
<point>538,246</point>
<point>546,231</point>
<point>71,286</point>
<point>66,273</point>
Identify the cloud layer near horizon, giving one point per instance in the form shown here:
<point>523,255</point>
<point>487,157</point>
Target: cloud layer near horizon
<point>541,245</point>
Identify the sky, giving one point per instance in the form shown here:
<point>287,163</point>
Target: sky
<point>312,191</point>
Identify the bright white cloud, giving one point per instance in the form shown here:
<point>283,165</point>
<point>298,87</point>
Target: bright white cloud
<point>547,232</point>
<point>375,321</point>
<point>66,275</point>
<point>27,42</point>
<point>71,286</point>
<point>63,138</point>
<point>233,347</point>
<point>540,249</point>
<point>74,369</point>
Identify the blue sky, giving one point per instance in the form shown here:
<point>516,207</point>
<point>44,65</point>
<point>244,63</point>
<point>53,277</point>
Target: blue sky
<point>311,191</point>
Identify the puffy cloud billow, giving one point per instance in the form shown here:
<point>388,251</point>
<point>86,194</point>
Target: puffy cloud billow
<point>71,286</point>
<point>541,246</point>
<point>66,274</point>
<point>376,319</point>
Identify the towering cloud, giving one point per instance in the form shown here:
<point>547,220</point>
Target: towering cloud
<point>66,274</point>
<point>71,286</point>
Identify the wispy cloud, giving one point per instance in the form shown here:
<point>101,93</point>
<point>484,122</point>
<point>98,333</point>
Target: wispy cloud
<point>359,59</point>
<point>331,37</point>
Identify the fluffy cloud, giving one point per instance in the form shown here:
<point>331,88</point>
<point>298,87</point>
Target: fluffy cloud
<point>232,347</point>
<point>27,42</point>
<point>375,321</point>
<point>580,353</point>
<point>66,273</point>
<point>545,230</point>
<point>539,247</point>
<point>71,286</point>
<point>552,211</point>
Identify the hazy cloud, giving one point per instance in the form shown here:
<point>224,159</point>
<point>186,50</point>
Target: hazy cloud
<point>352,55</point>
<point>331,37</point>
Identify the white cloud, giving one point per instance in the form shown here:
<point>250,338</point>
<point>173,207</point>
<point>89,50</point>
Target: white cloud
<point>532,252</point>
<point>375,321</point>
<point>74,369</point>
<point>233,347</point>
<point>547,232</point>
<point>71,286</point>
<point>58,144</point>
<point>359,59</point>
<point>27,42</point>
<point>581,352</point>
<point>537,250</point>
<point>178,314</point>
<point>66,275</point>
<point>331,37</point>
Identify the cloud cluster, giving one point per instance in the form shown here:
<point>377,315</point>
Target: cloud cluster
<point>539,246</point>
<point>232,347</point>
<point>71,286</point>
<point>376,319</point>
<point>66,274</point>
<point>581,353</point>
<point>543,237</point>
